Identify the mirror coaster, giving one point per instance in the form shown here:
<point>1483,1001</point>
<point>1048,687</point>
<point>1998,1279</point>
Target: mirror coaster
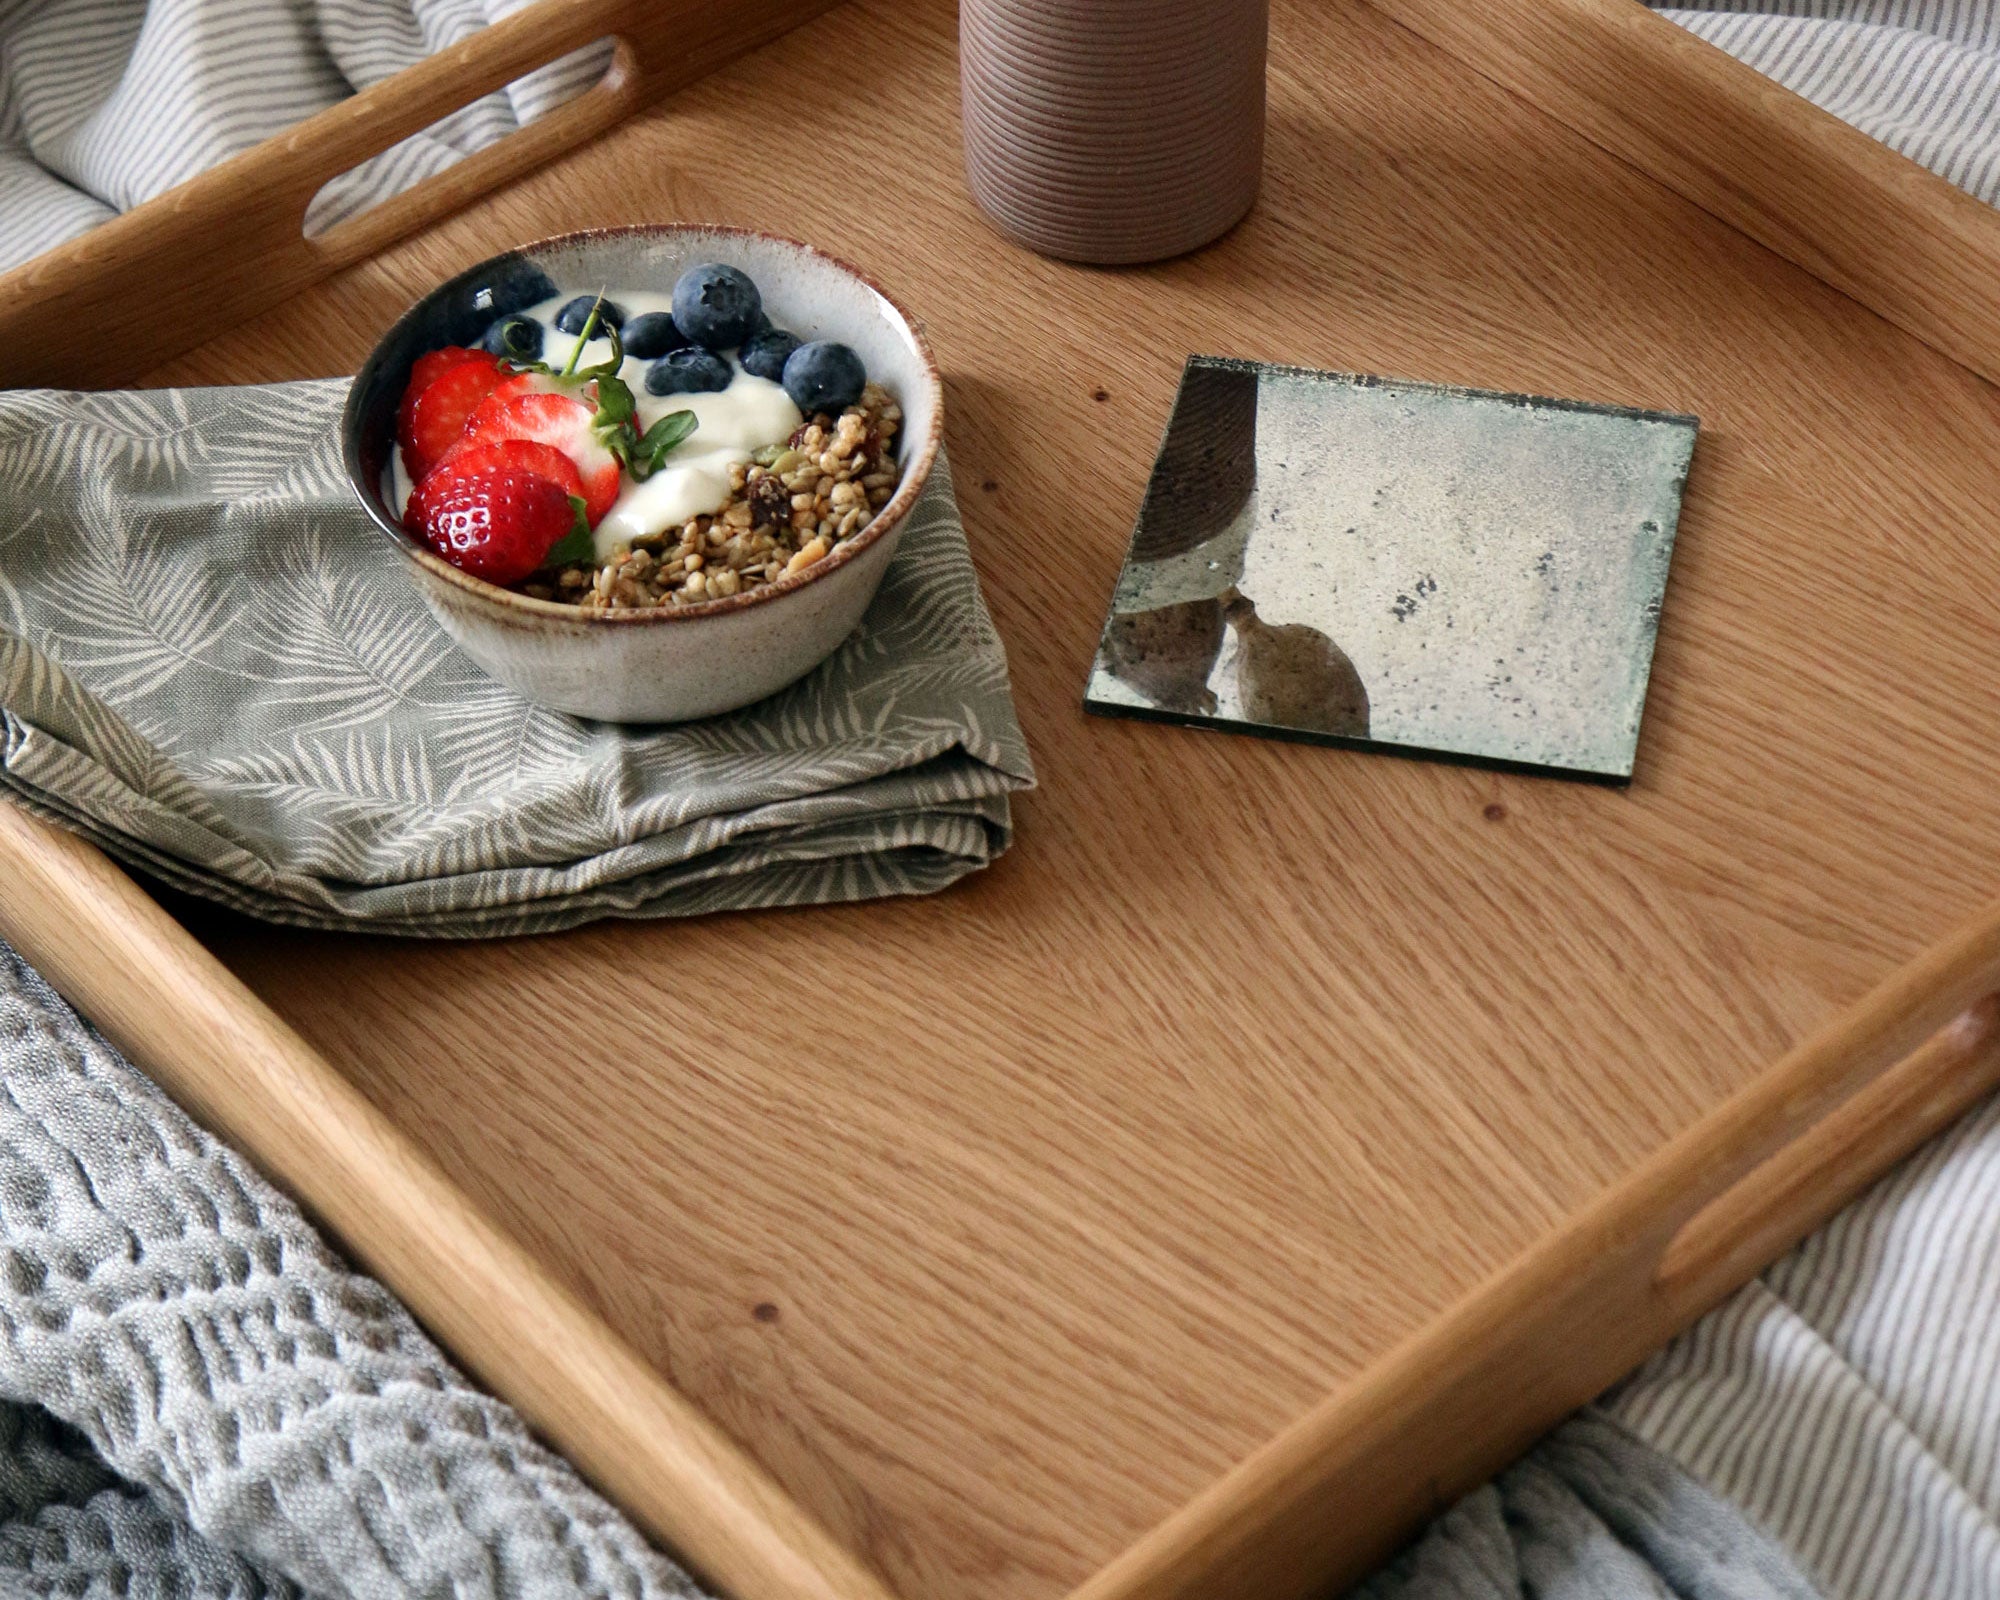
<point>1439,572</point>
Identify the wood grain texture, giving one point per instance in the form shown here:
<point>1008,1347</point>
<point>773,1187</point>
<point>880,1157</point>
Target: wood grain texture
<point>1001,1224</point>
<point>1850,210</point>
<point>1332,1494</point>
<point>230,242</point>
<point>235,1065</point>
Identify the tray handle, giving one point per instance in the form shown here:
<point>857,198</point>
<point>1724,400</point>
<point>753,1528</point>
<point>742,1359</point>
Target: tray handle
<point>1328,1497</point>
<point>231,241</point>
<point>236,1065</point>
<point>391,111</point>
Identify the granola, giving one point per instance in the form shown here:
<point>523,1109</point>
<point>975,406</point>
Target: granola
<point>790,506</point>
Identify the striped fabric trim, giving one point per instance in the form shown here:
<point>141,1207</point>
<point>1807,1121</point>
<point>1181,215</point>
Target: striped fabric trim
<point>1849,1401</point>
<point>1923,76</point>
<point>106,103</point>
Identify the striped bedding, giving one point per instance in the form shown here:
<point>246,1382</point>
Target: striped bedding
<point>1923,76</point>
<point>1848,1402</point>
<point>106,103</point>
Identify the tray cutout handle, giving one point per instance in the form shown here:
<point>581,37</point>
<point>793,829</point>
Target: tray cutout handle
<point>1791,1193</point>
<point>398,108</point>
<point>1314,1508</point>
<point>230,242</point>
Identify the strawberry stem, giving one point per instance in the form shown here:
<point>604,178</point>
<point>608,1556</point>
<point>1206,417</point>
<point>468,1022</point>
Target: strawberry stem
<point>583,338</point>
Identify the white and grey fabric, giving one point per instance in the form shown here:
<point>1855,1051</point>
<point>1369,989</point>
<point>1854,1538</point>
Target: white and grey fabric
<point>1922,76</point>
<point>107,103</point>
<point>1849,1400</point>
<point>1594,1513</point>
<point>1839,1417</point>
<point>213,665</point>
<point>199,1400</point>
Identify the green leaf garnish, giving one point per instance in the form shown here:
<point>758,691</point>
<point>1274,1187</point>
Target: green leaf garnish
<point>607,368</point>
<point>519,354</point>
<point>662,436</point>
<point>614,402</point>
<point>576,545</point>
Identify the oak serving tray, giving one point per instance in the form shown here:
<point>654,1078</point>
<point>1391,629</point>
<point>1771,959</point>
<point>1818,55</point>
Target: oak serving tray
<point>1277,1139</point>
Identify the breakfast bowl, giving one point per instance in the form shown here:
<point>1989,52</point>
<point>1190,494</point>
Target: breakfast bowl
<point>566,641</point>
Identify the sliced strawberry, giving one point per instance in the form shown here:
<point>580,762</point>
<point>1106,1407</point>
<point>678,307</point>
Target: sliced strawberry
<point>429,368</point>
<point>511,387</point>
<point>425,372</point>
<point>544,460</point>
<point>498,522</point>
<point>438,417</point>
<point>542,415</point>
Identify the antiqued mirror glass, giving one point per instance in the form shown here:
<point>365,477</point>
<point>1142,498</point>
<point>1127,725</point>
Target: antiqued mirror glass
<point>1435,571</point>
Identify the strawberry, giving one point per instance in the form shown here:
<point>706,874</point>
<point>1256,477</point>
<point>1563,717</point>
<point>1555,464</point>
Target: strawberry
<point>512,387</point>
<point>544,460</point>
<point>432,366</point>
<point>531,407</point>
<point>427,370</point>
<point>495,522</point>
<point>438,417</point>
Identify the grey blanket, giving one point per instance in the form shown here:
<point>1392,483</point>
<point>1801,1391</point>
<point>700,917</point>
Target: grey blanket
<point>215,667</point>
<point>1594,1513</point>
<point>198,1399</point>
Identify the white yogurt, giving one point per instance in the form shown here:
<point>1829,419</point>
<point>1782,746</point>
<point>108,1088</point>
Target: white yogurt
<point>693,480</point>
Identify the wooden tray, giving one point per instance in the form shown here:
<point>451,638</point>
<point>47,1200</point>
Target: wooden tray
<point>1278,1138</point>
<point>227,244</point>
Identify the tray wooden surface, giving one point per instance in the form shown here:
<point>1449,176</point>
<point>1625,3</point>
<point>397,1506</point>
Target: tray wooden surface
<point>1277,1137</point>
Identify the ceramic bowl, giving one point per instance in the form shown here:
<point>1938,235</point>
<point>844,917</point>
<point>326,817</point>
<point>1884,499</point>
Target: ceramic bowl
<point>673,663</point>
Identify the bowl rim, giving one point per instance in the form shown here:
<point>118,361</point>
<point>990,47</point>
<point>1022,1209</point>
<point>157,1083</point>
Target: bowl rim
<point>915,474</point>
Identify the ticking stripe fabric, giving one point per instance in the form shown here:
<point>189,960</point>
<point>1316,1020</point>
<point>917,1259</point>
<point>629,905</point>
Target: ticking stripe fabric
<point>106,103</point>
<point>1849,1401</point>
<point>1923,76</point>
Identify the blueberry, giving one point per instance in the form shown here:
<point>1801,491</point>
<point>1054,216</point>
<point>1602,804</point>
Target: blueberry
<point>717,306</point>
<point>652,334</point>
<point>516,336</point>
<point>466,307</point>
<point>573,316</point>
<point>689,370</point>
<point>824,376</point>
<point>764,354</point>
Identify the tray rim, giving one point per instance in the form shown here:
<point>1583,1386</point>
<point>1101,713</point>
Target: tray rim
<point>1738,1187</point>
<point>230,242</point>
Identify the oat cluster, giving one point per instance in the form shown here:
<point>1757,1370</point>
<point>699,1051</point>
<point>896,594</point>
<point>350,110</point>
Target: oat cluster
<point>791,506</point>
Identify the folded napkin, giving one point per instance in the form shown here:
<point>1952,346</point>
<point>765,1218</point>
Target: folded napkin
<point>212,665</point>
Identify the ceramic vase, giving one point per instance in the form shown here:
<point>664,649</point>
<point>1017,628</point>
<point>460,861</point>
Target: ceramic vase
<point>1113,131</point>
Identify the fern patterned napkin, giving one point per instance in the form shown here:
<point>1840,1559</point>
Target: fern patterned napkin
<point>213,666</point>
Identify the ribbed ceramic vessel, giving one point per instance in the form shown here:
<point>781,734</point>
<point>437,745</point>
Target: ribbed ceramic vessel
<point>1113,131</point>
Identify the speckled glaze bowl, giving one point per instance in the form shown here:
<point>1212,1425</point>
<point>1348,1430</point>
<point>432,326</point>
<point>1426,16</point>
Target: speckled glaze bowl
<point>674,663</point>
